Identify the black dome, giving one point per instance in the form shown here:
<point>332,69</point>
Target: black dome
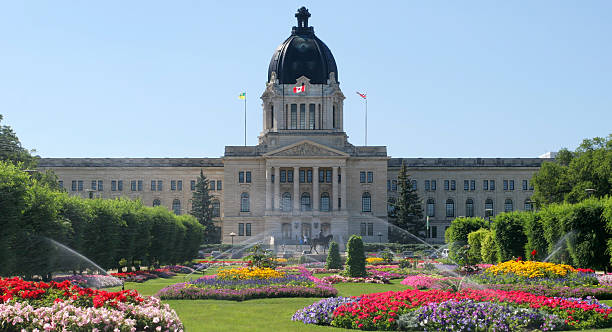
<point>302,54</point>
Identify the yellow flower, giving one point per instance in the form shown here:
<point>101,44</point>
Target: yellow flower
<point>249,273</point>
<point>371,260</point>
<point>531,269</point>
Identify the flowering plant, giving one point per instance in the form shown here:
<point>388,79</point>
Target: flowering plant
<point>334,279</point>
<point>425,282</point>
<point>374,260</point>
<point>321,312</point>
<point>249,273</point>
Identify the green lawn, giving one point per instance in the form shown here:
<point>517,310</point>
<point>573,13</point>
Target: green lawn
<point>253,315</point>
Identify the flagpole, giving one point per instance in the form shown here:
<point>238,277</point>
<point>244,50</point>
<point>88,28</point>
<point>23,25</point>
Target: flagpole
<point>245,116</point>
<point>366,121</point>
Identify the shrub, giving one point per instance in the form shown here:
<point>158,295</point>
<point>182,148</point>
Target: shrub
<point>587,245</point>
<point>488,249</point>
<point>510,237</point>
<point>355,262</point>
<point>534,230</point>
<point>457,234</point>
<point>475,242</point>
<point>333,260</point>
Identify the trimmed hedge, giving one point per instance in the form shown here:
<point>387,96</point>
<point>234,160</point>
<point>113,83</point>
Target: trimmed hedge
<point>355,261</point>
<point>333,260</point>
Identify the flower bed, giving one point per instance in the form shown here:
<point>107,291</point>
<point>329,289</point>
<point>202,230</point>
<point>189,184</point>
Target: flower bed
<point>91,280</point>
<point>380,311</point>
<point>254,283</point>
<point>425,282</point>
<point>142,276</point>
<point>321,312</point>
<point>601,292</point>
<point>179,269</point>
<point>63,306</point>
<point>334,279</point>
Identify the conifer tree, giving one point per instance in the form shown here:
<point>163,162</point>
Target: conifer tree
<point>408,211</point>
<point>202,209</point>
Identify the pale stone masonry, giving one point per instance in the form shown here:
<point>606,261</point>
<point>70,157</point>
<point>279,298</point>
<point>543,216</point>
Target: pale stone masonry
<point>304,179</point>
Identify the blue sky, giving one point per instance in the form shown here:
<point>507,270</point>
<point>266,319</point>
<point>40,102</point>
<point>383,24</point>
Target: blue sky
<point>444,78</point>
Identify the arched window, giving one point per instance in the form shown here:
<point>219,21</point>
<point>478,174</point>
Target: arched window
<point>391,206</point>
<point>431,208</point>
<point>286,229</point>
<point>469,208</point>
<point>286,203</point>
<point>305,202</point>
<point>176,207</point>
<point>216,208</point>
<point>245,202</point>
<point>450,208</point>
<point>489,212</point>
<point>366,202</point>
<point>508,206</point>
<point>528,204</point>
<point>324,206</point>
<point>156,202</point>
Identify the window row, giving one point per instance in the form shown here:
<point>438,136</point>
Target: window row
<point>286,203</point>
<point>430,208</point>
<point>244,177</point>
<point>451,185</point>
<point>176,206</point>
<point>305,176</point>
<point>137,185</point>
<point>306,117</point>
<point>244,229</point>
<point>366,229</point>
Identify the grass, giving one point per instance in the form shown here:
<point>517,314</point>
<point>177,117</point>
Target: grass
<point>258,314</point>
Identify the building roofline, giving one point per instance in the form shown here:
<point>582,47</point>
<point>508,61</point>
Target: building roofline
<point>130,162</point>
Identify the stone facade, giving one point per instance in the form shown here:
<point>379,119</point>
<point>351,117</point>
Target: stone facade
<point>304,178</point>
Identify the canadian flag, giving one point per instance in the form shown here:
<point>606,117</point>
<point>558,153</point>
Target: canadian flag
<point>299,89</point>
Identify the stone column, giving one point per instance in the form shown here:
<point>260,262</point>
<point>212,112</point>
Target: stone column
<point>315,188</point>
<point>296,189</point>
<point>276,188</point>
<point>343,186</point>
<point>268,188</point>
<point>334,188</point>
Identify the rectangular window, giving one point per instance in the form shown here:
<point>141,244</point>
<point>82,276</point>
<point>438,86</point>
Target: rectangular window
<point>370,229</point>
<point>248,177</point>
<point>74,185</point>
<point>311,116</point>
<point>248,229</point>
<point>240,177</point>
<point>453,185</point>
<point>466,185</point>
<point>485,184</point>
<point>113,185</point>
<point>133,185</point>
<point>80,183</point>
<point>363,229</point>
<point>505,184</point>
<point>290,176</point>
<point>446,185</point>
<point>153,185</point>
<point>272,178</point>
<point>525,184</point>
<point>388,185</point>
<point>120,185</point>
<point>219,185</point>
<point>100,185</point>
<point>472,185</point>
<point>240,229</point>
<point>293,116</point>
<point>139,185</point>
<point>172,185</point>
<point>434,232</point>
<point>302,176</point>
<point>370,177</point>
<point>309,176</point>
<point>491,184</point>
<point>302,116</point>
<point>362,177</point>
<point>427,185</point>
<point>159,185</point>
<point>94,185</point>
<point>321,176</point>
<point>328,176</point>
<point>212,184</point>
<point>179,185</point>
<point>511,184</point>
<point>283,176</point>
<point>339,202</point>
<point>433,184</point>
<point>192,185</point>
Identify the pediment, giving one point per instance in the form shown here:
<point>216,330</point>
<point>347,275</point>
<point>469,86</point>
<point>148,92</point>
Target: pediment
<point>306,149</point>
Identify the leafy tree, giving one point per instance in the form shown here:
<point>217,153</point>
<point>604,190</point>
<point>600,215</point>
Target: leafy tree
<point>509,233</point>
<point>12,151</point>
<point>456,235</point>
<point>202,209</point>
<point>567,177</point>
<point>333,260</point>
<point>14,193</point>
<point>355,261</point>
<point>408,211</point>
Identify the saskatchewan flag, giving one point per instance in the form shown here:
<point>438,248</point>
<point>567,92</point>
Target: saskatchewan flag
<point>242,95</point>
